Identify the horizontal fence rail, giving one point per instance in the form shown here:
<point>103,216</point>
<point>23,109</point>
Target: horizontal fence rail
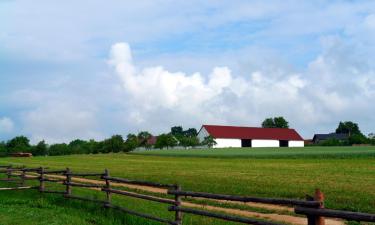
<point>355,216</point>
<point>312,207</point>
<point>275,201</point>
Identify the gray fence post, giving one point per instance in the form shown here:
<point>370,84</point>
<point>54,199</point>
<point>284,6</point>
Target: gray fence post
<point>23,176</point>
<point>177,198</point>
<point>41,179</point>
<point>107,187</point>
<point>68,180</point>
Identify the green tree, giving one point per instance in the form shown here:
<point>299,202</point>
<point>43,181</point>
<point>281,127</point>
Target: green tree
<point>191,132</point>
<point>131,142</point>
<point>59,149</point>
<point>3,149</point>
<point>18,144</point>
<point>165,140</point>
<point>79,147</point>
<point>177,131</point>
<point>276,122</point>
<point>41,148</point>
<point>348,127</point>
<point>209,141</point>
<point>143,136</point>
<point>189,141</point>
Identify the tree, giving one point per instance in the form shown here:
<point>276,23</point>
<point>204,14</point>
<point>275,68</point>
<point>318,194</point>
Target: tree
<point>3,149</point>
<point>209,141</point>
<point>348,127</point>
<point>276,122</point>
<point>165,140</point>
<point>191,132</point>
<point>131,142</point>
<point>59,149</point>
<point>18,144</point>
<point>189,141</point>
<point>143,136</point>
<point>41,148</point>
<point>78,147</point>
<point>177,131</point>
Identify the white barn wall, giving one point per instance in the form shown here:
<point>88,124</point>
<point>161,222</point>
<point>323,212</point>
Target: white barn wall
<point>265,143</point>
<point>202,134</point>
<point>296,144</point>
<point>226,143</point>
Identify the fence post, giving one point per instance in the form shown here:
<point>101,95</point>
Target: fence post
<point>41,179</point>
<point>9,172</point>
<point>316,220</point>
<point>107,187</point>
<point>319,196</point>
<point>23,175</point>
<point>177,198</point>
<point>68,180</point>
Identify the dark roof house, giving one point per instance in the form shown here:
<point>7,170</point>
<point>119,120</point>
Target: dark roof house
<point>323,137</point>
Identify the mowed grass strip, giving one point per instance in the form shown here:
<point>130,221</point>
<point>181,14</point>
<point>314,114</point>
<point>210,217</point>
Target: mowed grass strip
<point>277,153</point>
<point>348,182</point>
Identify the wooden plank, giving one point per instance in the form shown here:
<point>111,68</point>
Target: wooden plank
<point>86,174</point>
<point>347,215</point>
<point>278,201</point>
<point>54,192</point>
<point>138,182</point>
<point>221,216</point>
<point>18,188</point>
<point>83,185</point>
<point>141,196</point>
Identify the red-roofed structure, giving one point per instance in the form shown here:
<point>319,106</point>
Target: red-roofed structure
<point>233,136</point>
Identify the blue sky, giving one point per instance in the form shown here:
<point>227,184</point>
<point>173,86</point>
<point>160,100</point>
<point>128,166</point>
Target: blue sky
<point>90,69</point>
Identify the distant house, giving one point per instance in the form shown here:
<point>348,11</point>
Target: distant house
<point>232,136</point>
<point>323,137</point>
<point>151,141</point>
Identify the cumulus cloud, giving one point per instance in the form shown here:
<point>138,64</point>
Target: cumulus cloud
<point>60,122</point>
<point>219,97</point>
<point>6,125</point>
<point>321,95</point>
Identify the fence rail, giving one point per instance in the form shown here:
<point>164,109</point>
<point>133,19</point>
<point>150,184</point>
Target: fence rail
<point>312,207</point>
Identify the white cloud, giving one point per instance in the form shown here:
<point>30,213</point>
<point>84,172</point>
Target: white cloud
<point>60,122</point>
<point>220,97</point>
<point>6,125</point>
<point>317,97</point>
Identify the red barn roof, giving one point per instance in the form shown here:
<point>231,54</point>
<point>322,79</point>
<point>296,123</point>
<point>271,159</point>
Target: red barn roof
<point>252,133</point>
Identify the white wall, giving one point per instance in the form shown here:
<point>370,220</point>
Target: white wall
<point>296,144</point>
<point>226,143</point>
<point>202,134</point>
<point>265,143</point>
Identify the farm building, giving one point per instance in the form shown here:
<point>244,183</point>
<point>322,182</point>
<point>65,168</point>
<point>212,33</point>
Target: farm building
<point>231,136</point>
<point>323,137</point>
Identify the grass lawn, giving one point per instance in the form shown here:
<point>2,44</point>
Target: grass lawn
<point>345,174</point>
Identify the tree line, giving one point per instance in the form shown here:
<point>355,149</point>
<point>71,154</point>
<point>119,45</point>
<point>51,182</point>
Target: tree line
<point>176,137</point>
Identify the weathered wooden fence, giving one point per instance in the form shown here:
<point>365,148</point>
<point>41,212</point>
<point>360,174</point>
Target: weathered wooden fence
<point>312,207</point>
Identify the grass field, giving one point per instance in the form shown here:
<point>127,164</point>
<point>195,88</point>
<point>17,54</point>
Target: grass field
<point>346,174</point>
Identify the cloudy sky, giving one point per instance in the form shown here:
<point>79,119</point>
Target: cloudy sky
<point>90,69</point>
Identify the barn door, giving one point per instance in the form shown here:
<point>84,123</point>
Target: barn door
<point>284,143</point>
<point>245,142</point>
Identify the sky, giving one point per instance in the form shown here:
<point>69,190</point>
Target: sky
<point>91,69</point>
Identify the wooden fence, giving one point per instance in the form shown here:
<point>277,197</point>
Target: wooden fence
<point>312,207</point>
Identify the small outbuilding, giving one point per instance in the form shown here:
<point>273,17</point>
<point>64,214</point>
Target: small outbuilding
<point>233,136</point>
<point>323,137</point>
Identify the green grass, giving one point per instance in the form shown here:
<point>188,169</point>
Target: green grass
<point>345,174</point>
<point>277,153</point>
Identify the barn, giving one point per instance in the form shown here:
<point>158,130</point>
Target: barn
<point>232,136</point>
